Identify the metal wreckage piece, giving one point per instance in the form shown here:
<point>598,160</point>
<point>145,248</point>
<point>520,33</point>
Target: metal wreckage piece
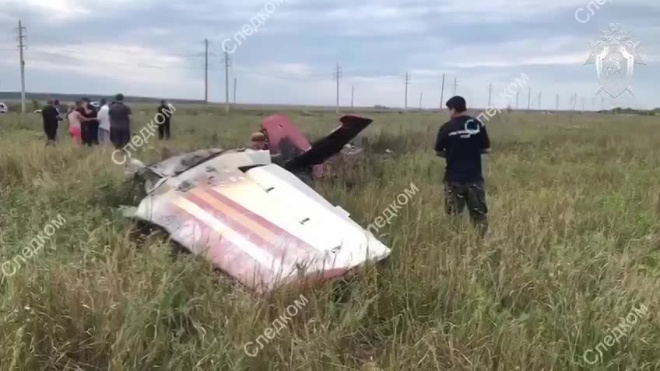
<point>249,213</point>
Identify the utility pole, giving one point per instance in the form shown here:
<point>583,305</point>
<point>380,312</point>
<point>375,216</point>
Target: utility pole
<point>235,85</point>
<point>338,76</point>
<point>557,105</point>
<point>490,96</point>
<point>353,97</point>
<point>540,100</point>
<point>442,93</point>
<point>571,104</point>
<point>421,97</point>
<point>455,86</point>
<point>405,107</point>
<point>517,99</point>
<point>206,71</point>
<point>529,100</point>
<point>21,47</point>
<point>227,64</point>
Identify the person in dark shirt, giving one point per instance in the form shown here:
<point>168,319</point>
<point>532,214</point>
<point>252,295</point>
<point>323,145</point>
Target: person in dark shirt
<point>120,122</point>
<point>90,129</point>
<point>164,127</point>
<point>51,118</point>
<point>461,142</point>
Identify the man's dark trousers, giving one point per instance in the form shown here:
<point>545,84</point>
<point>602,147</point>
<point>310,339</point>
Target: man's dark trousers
<point>90,133</point>
<point>50,128</point>
<point>120,137</point>
<point>164,130</point>
<point>458,195</point>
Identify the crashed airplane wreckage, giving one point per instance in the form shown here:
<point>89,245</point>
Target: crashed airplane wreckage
<point>249,214</point>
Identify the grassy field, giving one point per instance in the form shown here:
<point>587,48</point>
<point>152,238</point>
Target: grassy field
<point>574,248</point>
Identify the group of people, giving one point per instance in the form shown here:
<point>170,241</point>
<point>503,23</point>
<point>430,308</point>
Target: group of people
<point>89,126</point>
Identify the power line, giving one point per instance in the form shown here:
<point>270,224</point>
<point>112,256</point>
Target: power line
<point>405,106</point>
<point>21,47</point>
<point>353,97</point>
<point>206,71</point>
<point>113,63</point>
<point>66,44</point>
<point>227,64</point>
<point>235,87</point>
<point>442,92</point>
<point>338,76</point>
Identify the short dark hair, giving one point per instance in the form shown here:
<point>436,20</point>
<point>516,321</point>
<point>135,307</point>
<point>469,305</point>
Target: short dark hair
<point>119,97</point>
<point>56,102</point>
<point>457,103</point>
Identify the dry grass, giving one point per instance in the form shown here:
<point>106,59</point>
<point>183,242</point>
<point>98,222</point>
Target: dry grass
<point>574,247</point>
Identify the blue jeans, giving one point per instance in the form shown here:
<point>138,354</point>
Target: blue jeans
<point>104,136</point>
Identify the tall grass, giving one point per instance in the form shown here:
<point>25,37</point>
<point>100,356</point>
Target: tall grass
<point>574,247</point>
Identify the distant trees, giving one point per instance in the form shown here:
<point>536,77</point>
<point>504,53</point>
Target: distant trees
<point>631,111</point>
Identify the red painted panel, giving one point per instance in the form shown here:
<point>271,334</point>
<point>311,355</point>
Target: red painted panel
<point>279,129</point>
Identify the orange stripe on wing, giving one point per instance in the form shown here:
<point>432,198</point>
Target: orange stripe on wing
<point>258,221</point>
<point>265,233</point>
<point>257,253</point>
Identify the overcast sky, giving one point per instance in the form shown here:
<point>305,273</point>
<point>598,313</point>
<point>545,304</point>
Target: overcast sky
<point>155,48</point>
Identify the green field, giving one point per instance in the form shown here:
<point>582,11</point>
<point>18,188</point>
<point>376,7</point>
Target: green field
<point>574,248</point>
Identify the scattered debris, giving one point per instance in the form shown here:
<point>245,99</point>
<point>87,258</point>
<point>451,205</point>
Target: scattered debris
<point>248,212</point>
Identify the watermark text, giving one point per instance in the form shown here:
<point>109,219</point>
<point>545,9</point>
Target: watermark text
<point>292,311</point>
<point>34,248</point>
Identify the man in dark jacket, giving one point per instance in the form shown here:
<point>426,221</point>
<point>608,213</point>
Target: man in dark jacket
<point>51,118</point>
<point>461,142</point>
<point>120,122</point>
<point>164,126</point>
<point>90,129</point>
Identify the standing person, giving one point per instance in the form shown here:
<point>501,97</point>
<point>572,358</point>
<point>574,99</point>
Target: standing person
<point>120,122</point>
<point>104,123</point>
<point>90,127</point>
<point>76,121</point>
<point>164,128</point>
<point>461,142</point>
<point>51,118</point>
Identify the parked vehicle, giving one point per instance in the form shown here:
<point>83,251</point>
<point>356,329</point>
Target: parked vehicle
<point>3,108</point>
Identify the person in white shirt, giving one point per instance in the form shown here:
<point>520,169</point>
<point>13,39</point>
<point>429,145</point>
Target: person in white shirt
<point>104,122</point>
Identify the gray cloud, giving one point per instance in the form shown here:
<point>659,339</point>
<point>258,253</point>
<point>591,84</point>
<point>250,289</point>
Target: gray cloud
<point>292,58</point>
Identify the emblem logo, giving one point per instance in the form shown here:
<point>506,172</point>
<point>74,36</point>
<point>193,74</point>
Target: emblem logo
<point>615,56</point>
